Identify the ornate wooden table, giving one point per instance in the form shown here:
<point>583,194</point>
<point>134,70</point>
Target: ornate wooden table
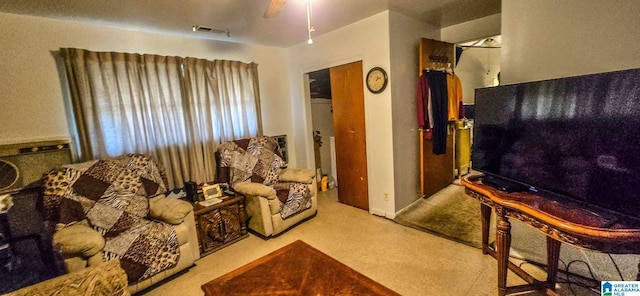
<point>221,224</point>
<point>562,220</point>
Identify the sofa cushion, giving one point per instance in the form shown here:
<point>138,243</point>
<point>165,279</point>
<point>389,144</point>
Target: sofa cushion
<point>170,210</point>
<point>297,175</point>
<point>257,189</point>
<point>78,240</point>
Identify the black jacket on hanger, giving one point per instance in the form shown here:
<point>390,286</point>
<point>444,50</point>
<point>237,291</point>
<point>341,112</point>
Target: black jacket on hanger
<point>439,109</point>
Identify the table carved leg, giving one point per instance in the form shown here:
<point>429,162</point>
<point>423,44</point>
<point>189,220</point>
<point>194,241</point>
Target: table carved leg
<point>553,256</point>
<point>485,212</point>
<point>503,244</point>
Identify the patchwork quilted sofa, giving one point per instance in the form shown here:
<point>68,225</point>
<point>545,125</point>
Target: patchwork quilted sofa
<point>277,197</point>
<point>116,209</point>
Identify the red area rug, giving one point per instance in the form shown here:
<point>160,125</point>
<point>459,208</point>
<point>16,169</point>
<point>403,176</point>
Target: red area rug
<point>295,269</point>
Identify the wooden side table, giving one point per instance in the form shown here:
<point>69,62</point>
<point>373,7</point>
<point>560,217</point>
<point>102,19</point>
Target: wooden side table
<point>221,224</point>
<point>561,220</point>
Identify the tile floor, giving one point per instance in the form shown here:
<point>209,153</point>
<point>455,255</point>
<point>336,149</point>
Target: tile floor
<point>406,260</point>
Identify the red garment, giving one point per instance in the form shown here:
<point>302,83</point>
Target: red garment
<point>428,134</point>
<point>423,103</point>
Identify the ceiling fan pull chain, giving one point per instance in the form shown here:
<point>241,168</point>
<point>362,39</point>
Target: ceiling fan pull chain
<point>309,28</point>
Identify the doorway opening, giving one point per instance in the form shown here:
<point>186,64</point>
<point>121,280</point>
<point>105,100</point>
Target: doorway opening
<point>338,123</point>
<point>322,125</point>
<point>477,66</point>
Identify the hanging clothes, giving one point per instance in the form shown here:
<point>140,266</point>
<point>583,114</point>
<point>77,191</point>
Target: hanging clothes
<point>440,109</point>
<point>423,107</point>
<point>454,91</point>
<point>422,102</point>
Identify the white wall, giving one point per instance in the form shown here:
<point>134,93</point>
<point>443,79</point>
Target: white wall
<point>405,35</point>
<point>477,67</point>
<point>547,39</point>
<point>31,102</point>
<point>471,30</point>
<point>366,41</point>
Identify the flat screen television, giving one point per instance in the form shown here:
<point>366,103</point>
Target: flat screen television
<point>576,137</point>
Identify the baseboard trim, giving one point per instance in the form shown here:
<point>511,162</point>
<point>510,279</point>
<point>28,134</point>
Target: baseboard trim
<point>382,213</point>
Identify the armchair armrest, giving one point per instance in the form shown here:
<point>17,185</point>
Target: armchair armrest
<point>78,240</point>
<point>107,278</point>
<point>256,189</point>
<point>169,210</point>
<point>297,175</point>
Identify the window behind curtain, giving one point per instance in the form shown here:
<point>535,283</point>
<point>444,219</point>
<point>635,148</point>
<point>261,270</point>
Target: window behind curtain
<point>174,109</point>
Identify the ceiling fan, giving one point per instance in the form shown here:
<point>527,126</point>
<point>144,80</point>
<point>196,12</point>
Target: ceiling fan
<point>274,8</point>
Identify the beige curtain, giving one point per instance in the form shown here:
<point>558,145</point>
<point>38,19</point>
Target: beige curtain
<point>222,104</point>
<point>133,103</point>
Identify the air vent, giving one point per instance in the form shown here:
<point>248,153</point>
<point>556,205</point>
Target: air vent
<point>204,29</point>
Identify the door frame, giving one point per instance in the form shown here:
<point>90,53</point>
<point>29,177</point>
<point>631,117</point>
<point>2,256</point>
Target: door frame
<point>308,139</point>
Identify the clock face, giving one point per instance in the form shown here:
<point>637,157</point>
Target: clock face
<point>376,80</point>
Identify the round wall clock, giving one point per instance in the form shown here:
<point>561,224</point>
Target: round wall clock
<point>377,80</point>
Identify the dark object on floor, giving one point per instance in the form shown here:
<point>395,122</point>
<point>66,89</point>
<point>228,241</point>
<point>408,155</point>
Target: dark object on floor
<point>15,273</point>
<point>26,256</point>
<point>295,269</point>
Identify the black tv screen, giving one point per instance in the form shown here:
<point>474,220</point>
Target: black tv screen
<point>577,137</point>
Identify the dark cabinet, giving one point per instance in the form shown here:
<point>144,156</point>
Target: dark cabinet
<point>221,224</point>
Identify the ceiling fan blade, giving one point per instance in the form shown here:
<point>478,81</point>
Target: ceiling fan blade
<point>274,8</point>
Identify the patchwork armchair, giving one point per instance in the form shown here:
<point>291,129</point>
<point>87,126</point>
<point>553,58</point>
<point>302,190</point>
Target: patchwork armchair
<point>116,209</point>
<point>277,198</point>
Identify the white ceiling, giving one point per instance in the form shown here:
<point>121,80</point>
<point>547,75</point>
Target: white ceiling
<point>243,18</point>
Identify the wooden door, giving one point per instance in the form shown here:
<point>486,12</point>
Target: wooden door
<point>347,94</point>
<point>436,170</point>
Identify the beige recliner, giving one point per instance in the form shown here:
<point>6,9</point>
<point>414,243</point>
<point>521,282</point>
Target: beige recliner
<point>277,198</point>
<point>116,208</point>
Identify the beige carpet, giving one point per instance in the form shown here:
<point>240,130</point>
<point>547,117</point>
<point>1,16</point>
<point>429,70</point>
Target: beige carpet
<point>408,261</point>
<point>450,213</point>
